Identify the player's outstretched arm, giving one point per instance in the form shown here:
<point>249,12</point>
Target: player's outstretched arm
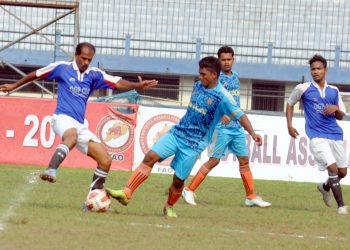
<point>11,86</point>
<point>142,84</point>
<point>289,115</point>
<point>244,121</point>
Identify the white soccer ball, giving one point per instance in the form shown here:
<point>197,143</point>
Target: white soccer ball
<point>98,201</point>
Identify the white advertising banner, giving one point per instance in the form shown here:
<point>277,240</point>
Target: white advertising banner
<point>279,158</point>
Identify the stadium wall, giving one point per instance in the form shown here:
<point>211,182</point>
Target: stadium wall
<point>27,139</point>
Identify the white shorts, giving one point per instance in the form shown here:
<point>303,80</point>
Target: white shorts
<point>327,152</point>
<point>61,123</point>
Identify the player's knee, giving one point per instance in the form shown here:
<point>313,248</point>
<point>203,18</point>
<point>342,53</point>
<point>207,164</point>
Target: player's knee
<point>212,163</point>
<point>178,183</point>
<point>332,170</point>
<point>70,138</point>
<point>105,162</point>
<point>342,172</point>
<point>150,158</point>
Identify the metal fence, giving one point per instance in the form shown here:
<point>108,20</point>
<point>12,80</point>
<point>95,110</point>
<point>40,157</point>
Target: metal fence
<point>276,31</point>
<point>157,97</point>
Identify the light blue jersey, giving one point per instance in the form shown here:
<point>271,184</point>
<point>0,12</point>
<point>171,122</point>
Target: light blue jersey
<point>74,88</point>
<point>206,108</point>
<point>317,124</point>
<point>232,85</point>
<point>230,136</point>
<point>192,134</point>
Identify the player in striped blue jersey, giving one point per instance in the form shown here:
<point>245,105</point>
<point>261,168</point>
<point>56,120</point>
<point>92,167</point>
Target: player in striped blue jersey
<point>229,136</point>
<point>76,82</point>
<point>322,105</point>
<point>186,140</point>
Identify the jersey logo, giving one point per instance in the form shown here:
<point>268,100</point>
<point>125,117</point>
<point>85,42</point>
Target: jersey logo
<point>72,79</point>
<point>209,101</point>
<point>79,91</point>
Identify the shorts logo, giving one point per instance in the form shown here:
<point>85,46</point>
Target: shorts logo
<point>115,133</point>
<point>155,128</point>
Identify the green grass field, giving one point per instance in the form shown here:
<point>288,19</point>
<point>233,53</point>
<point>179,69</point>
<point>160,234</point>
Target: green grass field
<point>40,215</point>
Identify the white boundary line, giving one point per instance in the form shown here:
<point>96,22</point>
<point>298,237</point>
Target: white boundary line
<point>30,180</point>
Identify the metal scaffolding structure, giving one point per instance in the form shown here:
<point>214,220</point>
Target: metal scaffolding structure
<point>65,8</point>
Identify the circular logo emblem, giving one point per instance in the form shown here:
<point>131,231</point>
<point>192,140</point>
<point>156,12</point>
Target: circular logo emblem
<point>115,133</point>
<point>155,128</point>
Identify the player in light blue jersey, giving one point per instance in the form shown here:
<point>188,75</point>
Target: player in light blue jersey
<point>229,136</point>
<point>209,102</point>
<point>76,82</point>
<point>322,105</point>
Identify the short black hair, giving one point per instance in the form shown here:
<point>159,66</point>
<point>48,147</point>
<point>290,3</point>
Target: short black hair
<point>318,58</point>
<point>226,49</point>
<point>211,63</point>
<point>80,46</point>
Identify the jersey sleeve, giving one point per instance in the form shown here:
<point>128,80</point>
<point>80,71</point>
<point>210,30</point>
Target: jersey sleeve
<point>297,92</point>
<point>229,107</point>
<point>104,80</point>
<point>341,105</point>
<point>51,71</point>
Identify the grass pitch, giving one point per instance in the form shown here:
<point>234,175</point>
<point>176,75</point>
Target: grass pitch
<point>41,215</point>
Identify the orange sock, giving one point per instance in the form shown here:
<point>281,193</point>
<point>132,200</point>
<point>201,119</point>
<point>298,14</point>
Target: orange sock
<point>199,177</point>
<point>173,196</point>
<point>140,174</point>
<point>247,178</point>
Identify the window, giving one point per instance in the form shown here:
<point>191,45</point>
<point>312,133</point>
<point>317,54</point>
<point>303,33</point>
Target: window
<point>268,96</point>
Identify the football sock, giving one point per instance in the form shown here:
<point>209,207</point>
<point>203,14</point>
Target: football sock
<point>247,178</point>
<point>199,177</point>
<point>140,174</point>
<point>173,196</point>
<point>326,186</point>
<point>98,179</point>
<point>59,155</point>
<point>336,189</point>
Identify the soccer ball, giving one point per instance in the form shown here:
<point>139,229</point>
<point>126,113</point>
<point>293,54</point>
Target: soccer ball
<point>98,201</point>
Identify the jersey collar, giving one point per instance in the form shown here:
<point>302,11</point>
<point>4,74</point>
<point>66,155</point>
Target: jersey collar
<point>323,91</point>
<point>316,85</point>
<point>75,67</point>
<point>223,74</point>
<point>79,75</point>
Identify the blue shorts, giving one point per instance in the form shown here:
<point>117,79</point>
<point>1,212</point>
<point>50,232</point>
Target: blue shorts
<point>232,139</point>
<point>185,157</point>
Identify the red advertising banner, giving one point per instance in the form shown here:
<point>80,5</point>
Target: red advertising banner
<point>26,136</point>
